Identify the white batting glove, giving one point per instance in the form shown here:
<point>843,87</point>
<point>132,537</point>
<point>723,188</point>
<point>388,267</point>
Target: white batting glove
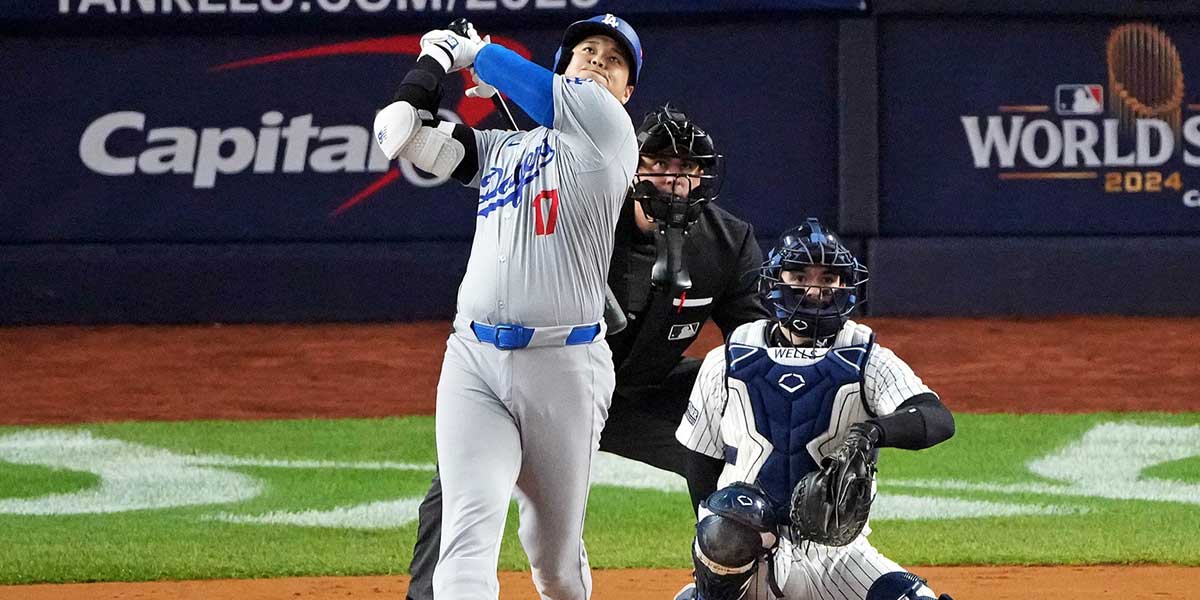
<point>454,52</point>
<point>481,89</point>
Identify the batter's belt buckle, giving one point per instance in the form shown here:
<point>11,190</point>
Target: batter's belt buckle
<point>510,337</point>
<point>504,336</point>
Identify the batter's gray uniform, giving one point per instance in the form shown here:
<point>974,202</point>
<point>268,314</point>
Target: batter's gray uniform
<point>720,415</point>
<point>531,417</point>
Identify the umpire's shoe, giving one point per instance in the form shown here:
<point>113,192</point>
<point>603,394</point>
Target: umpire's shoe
<point>687,593</point>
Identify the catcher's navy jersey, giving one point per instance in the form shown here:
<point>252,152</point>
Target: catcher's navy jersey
<point>777,411</point>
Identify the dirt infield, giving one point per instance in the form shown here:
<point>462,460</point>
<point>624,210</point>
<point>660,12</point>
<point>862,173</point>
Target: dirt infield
<point>89,374</point>
<point>74,374</point>
<point>966,583</point>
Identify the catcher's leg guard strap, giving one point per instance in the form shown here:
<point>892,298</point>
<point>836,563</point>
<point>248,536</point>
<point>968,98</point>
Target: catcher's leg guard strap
<point>710,585</point>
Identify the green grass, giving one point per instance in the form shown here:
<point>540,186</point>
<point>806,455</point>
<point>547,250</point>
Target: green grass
<point>626,527</point>
<point>30,481</point>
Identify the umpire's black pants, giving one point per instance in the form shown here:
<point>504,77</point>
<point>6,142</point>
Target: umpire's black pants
<point>641,426</point>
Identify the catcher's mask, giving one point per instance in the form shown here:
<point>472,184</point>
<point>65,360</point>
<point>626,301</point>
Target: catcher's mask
<point>814,310</point>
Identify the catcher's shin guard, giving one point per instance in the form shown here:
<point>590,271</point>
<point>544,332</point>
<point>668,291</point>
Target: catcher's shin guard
<point>717,581</point>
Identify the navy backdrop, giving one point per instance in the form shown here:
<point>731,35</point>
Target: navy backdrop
<point>937,72</point>
<point>284,11</point>
<point>250,138</point>
<point>217,165</point>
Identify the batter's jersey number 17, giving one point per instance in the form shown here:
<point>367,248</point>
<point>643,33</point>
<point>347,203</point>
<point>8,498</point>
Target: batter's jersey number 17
<point>545,206</point>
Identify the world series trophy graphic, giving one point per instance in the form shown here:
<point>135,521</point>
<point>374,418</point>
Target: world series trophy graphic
<point>1145,77</point>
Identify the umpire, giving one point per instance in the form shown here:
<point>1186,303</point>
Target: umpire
<point>678,260</point>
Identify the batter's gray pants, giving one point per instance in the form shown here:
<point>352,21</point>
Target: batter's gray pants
<point>640,426</point>
<point>530,419</point>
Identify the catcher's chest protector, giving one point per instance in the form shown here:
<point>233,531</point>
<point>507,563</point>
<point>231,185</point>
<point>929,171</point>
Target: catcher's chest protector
<point>794,406</point>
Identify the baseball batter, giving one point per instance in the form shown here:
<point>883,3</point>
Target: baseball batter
<point>777,404</point>
<point>527,377</point>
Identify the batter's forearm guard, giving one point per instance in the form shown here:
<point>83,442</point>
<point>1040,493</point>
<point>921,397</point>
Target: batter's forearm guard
<point>422,85</point>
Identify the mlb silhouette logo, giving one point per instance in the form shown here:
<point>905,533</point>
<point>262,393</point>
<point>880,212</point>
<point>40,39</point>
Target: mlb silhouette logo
<point>684,331</point>
<point>1079,99</point>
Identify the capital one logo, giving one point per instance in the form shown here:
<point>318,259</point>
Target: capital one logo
<point>278,145</point>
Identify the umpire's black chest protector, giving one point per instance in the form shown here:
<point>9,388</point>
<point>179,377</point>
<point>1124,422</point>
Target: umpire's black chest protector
<point>661,326</point>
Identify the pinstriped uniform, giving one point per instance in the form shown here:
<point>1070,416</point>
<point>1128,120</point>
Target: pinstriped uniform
<point>718,415</point>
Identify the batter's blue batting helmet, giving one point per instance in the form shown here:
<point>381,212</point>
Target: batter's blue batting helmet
<point>818,311</point>
<point>607,25</point>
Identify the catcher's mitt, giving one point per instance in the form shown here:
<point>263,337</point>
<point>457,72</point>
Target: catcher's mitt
<point>830,505</point>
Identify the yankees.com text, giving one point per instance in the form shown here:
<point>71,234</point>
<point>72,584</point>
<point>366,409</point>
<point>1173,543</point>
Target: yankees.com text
<point>221,7</point>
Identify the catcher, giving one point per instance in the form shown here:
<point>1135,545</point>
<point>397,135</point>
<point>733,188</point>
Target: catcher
<point>790,412</point>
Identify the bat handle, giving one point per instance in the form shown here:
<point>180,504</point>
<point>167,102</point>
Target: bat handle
<point>461,26</point>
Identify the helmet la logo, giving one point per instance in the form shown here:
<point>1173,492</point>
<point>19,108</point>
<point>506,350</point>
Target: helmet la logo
<point>610,20</point>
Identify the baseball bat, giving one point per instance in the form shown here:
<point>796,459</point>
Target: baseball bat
<point>461,27</point>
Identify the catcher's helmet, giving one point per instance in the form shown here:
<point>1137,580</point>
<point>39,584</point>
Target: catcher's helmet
<point>667,132</point>
<point>813,311</point>
<point>607,25</point>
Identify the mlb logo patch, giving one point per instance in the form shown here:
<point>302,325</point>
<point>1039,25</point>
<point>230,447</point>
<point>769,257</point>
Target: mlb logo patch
<point>683,331</point>
<point>1079,99</point>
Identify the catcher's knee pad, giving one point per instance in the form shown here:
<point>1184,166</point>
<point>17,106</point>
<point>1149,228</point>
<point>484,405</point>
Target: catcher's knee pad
<point>899,585</point>
<point>737,527</point>
<point>727,544</point>
<point>745,504</point>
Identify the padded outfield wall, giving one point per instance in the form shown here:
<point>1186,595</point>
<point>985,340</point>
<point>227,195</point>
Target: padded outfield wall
<point>218,166</point>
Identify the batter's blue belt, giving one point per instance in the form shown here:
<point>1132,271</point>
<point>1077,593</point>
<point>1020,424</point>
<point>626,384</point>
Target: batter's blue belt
<point>512,337</point>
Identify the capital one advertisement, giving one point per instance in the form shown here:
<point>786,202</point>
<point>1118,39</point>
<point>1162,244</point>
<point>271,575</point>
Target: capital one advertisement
<point>252,138</point>
<point>1056,128</point>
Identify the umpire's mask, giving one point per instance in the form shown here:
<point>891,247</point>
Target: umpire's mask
<point>679,171</point>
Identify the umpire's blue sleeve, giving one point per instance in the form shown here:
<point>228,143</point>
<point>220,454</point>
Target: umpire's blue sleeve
<point>531,86</point>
